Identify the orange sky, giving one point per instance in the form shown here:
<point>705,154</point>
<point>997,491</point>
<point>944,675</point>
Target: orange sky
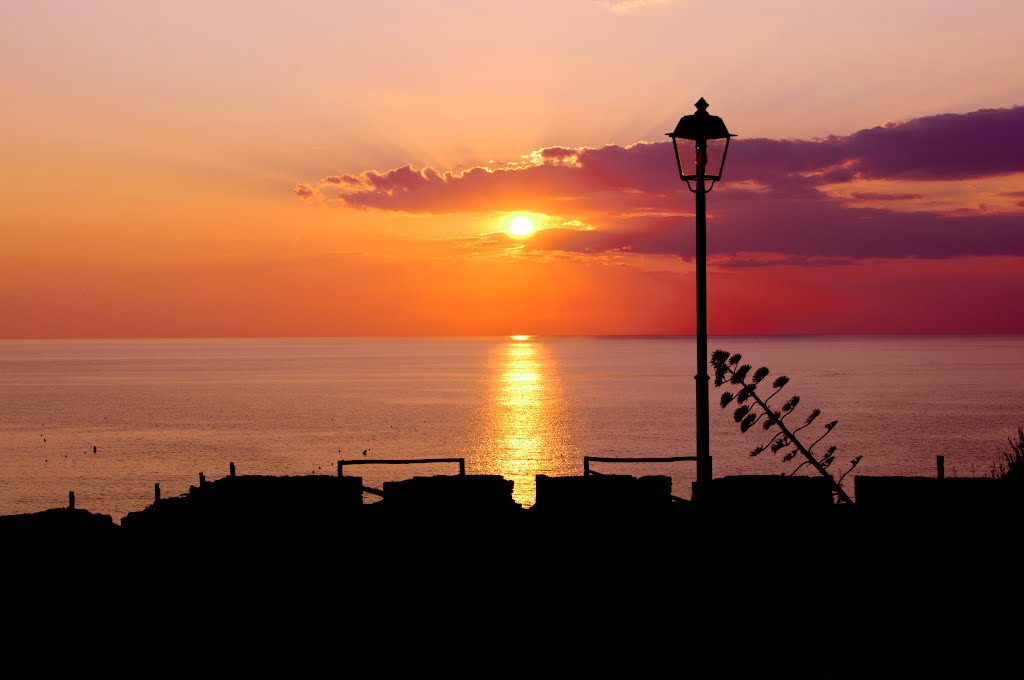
<point>307,168</point>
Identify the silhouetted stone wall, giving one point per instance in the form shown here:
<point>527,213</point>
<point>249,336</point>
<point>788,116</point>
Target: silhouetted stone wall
<point>767,493</point>
<point>571,495</point>
<point>474,494</point>
<point>253,503</point>
<point>967,494</point>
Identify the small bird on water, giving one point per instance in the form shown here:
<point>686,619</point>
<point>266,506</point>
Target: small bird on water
<point>364,451</point>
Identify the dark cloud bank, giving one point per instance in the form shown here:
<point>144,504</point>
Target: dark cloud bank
<point>770,200</point>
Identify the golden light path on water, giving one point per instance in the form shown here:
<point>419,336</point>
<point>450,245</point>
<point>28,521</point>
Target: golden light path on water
<point>524,418</point>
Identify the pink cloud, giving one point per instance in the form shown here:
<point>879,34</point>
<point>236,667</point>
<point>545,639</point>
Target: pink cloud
<point>560,153</point>
<point>876,196</point>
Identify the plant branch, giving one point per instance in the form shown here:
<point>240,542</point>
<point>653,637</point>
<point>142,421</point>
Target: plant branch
<point>725,364</point>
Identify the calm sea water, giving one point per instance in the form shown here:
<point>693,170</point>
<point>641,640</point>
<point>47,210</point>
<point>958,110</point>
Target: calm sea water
<point>165,411</point>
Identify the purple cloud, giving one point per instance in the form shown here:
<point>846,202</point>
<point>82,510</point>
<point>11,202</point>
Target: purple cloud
<point>770,199</point>
<point>950,146</point>
<point>875,196</point>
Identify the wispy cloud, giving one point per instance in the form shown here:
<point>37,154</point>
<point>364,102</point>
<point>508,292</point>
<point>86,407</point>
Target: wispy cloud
<point>625,6</point>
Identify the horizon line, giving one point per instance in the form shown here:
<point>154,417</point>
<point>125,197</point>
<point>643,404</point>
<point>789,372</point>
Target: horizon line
<point>509,336</point>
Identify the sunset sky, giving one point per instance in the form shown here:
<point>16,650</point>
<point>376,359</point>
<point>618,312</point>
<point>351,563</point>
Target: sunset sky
<point>253,169</point>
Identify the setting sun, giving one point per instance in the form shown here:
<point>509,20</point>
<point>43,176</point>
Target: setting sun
<point>521,227</point>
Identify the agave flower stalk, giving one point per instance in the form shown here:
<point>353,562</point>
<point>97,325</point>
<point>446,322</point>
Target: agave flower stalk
<point>728,369</point>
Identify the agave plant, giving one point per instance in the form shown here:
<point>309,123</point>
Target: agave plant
<point>752,409</point>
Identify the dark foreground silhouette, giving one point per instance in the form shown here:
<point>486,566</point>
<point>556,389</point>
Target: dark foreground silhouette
<point>761,577</point>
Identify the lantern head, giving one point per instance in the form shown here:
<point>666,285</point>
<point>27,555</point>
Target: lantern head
<point>700,127</point>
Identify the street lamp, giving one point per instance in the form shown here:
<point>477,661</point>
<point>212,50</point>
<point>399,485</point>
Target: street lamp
<point>701,127</point>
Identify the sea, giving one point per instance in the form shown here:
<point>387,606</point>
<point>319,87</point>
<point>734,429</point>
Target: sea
<point>111,421</point>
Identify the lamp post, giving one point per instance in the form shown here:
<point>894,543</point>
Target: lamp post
<point>699,128</point>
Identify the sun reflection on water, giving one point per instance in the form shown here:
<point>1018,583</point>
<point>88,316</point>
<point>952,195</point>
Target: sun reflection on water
<point>524,418</point>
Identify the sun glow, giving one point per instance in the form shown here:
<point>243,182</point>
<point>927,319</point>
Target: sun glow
<point>525,419</point>
<point>521,227</point>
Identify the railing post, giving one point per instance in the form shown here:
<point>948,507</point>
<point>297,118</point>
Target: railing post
<point>462,466</point>
<point>339,468</point>
<point>156,493</point>
<point>202,479</point>
<point>231,469</point>
<point>71,500</point>
<point>940,462</point>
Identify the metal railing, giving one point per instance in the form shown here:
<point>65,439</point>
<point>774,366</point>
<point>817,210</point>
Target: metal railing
<point>604,459</point>
<point>587,460</point>
<point>406,461</point>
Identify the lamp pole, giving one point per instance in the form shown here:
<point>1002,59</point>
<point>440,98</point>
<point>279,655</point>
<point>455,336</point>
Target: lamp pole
<point>701,127</point>
<point>702,377</point>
